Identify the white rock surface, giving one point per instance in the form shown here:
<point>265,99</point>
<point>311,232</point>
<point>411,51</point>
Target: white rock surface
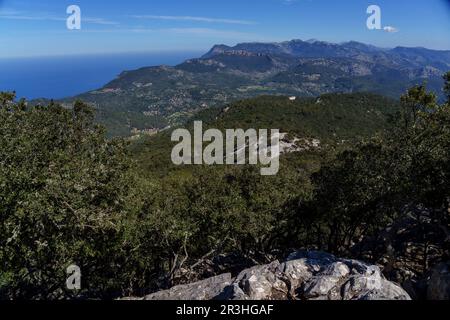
<point>305,275</point>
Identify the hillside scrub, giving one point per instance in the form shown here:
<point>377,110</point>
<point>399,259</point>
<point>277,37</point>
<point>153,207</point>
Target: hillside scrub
<point>70,196</point>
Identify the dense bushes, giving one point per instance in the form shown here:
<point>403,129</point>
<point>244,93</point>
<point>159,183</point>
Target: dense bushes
<point>232,209</point>
<point>70,196</point>
<point>372,184</point>
<point>62,188</point>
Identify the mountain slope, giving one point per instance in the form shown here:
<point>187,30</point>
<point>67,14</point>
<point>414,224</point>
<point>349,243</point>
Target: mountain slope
<point>331,119</point>
<point>157,97</point>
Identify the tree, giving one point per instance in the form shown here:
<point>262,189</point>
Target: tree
<point>62,195</point>
<point>447,86</point>
<point>368,186</point>
<point>417,99</point>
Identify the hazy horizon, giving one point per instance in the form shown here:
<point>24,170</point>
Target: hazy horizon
<point>198,51</point>
<point>65,76</point>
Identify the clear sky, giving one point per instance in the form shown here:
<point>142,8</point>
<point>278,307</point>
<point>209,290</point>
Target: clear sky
<point>38,28</point>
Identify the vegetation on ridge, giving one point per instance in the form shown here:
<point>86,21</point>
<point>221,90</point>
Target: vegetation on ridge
<point>70,196</point>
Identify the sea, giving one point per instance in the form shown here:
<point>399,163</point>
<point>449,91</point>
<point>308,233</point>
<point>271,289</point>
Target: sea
<point>65,76</point>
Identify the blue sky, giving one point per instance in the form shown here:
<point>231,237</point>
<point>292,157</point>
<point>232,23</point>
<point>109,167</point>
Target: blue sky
<point>38,28</point>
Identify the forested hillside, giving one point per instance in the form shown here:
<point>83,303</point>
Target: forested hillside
<point>335,120</point>
<point>135,224</point>
<point>152,98</point>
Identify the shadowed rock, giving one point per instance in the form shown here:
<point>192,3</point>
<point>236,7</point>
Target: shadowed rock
<point>202,290</point>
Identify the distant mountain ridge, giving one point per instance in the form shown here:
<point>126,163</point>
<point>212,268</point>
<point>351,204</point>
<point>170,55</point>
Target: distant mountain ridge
<point>156,97</point>
<point>320,49</point>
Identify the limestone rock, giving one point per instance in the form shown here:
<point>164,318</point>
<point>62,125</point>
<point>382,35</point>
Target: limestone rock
<point>203,290</point>
<point>262,282</point>
<point>305,275</point>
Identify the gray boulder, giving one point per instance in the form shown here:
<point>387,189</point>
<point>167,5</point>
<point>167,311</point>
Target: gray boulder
<point>305,275</point>
<point>313,275</point>
<point>260,283</point>
<point>203,290</point>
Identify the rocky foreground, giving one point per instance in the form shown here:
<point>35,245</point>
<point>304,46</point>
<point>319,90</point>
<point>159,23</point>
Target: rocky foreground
<point>305,275</point>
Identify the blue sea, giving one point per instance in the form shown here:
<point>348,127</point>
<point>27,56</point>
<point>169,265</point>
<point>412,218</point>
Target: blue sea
<point>59,77</point>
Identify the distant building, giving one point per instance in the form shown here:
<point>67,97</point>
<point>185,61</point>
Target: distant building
<point>148,132</point>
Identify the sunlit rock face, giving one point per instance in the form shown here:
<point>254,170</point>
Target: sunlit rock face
<point>305,275</point>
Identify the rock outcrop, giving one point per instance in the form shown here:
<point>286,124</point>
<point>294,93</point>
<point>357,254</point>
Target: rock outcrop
<point>305,275</point>
<point>203,290</point>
